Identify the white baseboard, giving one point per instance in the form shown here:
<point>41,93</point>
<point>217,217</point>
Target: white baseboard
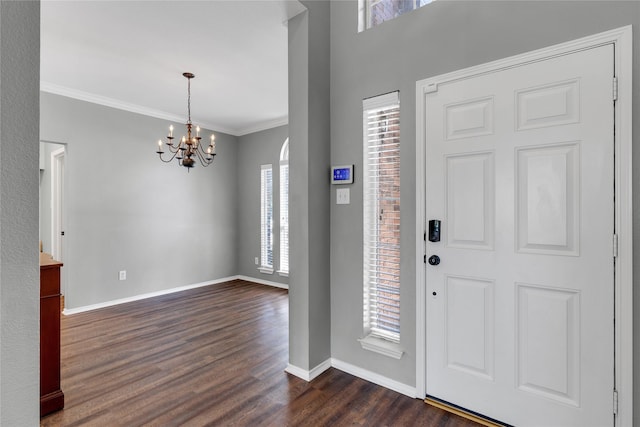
<point>263,282</point>
<point>308,375</point>
<point>374,378</point>
<point>68,311</point>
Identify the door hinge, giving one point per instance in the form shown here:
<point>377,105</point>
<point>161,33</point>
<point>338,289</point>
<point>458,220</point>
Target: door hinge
<point>425,236</point>
<point>615,88</point>
<point>615,245</point>
<point>615,402</point>
<point>425,259</point>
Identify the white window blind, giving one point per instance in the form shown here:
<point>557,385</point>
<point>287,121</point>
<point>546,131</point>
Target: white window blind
<point>266,217</point>
<point>381,182</point>
<point>284,212</point>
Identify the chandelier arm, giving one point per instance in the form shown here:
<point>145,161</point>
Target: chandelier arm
<point>204,161</point>
<point>174,148</point>
<point>170,160</point>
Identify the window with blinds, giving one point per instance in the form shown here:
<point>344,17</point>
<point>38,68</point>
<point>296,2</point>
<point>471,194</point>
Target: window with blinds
<point>284,209</point>
<point>381,182</point>
<point>266,219</point>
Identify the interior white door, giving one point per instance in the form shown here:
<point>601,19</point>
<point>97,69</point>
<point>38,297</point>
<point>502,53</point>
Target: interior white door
<point>520,310</point>
<point>57,211</point>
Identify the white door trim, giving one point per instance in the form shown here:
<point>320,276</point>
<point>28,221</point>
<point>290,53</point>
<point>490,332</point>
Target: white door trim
<point>57,209</point>
<point>57,157</point>
<point>621,38</point>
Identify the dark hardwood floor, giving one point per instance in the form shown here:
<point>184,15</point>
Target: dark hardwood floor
<point>211,356</point>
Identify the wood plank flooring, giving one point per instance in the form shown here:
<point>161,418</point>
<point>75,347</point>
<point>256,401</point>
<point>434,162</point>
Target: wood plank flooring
<point>212,356</point>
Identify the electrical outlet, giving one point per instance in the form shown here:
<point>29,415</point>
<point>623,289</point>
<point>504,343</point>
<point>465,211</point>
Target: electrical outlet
<point>122,275</point>
<point>256,261</point>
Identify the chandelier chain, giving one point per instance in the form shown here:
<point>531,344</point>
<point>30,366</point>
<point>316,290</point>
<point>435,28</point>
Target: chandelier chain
<point>189,99</point>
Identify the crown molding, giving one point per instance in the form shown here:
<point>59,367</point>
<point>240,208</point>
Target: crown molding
<point>133,108</point>
<point>269,124</point>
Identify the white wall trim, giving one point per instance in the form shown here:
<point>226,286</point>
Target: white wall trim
<point>139,109</point>
<point>622,40</point>
<point>263,282</point>
<point>265,270</point>
<point>269,124</point>
<point>375,378</point>
<point>357,371</point>
<point>69,311</point>
<point>381,346</point>
<point>308,375</point>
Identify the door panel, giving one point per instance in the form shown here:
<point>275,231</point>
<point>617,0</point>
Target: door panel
<point>548,340</point>
<point>548,188</point>
<point>519,167</point>
<point>469,334</point>
<point>470,201</point>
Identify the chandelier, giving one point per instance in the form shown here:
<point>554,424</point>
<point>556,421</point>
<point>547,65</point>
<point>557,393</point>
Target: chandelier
<point>189,147</point>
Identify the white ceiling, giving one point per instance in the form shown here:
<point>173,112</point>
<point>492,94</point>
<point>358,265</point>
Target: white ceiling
<point>131,55</point>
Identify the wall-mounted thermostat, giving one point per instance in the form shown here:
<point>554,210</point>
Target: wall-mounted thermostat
<point>342,174</point>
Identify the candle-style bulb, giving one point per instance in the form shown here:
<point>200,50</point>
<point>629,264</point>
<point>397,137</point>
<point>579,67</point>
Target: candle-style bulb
<point>197,130</point>
<point>171,130</point>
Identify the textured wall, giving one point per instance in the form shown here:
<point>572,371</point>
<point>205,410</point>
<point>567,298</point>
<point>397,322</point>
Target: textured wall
<point>19,271</point>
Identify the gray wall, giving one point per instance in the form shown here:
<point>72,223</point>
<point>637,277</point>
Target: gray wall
<point>441,37</point>
<point>126,210</point>
<point>19,272</point>
<point>309,125</point>
<point>255,150</point>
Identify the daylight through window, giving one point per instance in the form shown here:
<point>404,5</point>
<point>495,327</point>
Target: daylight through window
<point>375,12</point>
<point>284,209</point>
<point>266,219</point>
<point>381,181</point>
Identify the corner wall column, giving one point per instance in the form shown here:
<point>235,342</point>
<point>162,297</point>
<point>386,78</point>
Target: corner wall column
<point>309,191</point>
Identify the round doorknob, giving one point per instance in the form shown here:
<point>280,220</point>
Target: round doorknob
<point>434,260</point>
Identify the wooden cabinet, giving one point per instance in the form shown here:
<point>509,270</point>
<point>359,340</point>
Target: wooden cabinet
<point>51,396</point>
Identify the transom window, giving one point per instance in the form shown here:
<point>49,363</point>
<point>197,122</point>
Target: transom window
<point>375,12</point>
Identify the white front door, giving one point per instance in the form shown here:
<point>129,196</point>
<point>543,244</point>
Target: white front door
<point>520,309</point>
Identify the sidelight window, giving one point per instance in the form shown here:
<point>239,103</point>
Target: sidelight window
<point>266,219</point>
<point>381,182</point>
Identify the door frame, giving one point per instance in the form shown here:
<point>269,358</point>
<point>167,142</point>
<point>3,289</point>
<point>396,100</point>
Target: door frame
<point>58,159</point>
<point>622,39</point>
